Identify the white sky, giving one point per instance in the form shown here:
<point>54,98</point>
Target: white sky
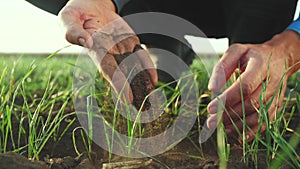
<point>27,29</point>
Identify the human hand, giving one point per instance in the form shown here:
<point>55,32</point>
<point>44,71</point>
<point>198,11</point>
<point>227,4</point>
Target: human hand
<point>270,64</point>
<point>95,25</point>
<point>81,18</point>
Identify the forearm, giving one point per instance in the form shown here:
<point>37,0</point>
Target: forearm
<point>295,50</point>
<point>294,31</point>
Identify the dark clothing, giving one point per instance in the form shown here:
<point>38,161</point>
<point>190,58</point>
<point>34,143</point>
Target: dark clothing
<point>242,21</point>
<point>52,6</point>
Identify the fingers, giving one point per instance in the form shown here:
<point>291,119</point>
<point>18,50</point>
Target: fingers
<point>121,59</point>
<point>250,104</point>
<point>116,78</point>
<point>222,71</point>
<point>225,67</point>
<point>238,125</point>
<point>212,121</point>
<point>253,103</point>
<point>254,122</point>
<point>245,94</point>
<point>251,133</point>
<point>246,84</point>
<point>75,32</point>
<point>129,43</point>
<point>124,44</point>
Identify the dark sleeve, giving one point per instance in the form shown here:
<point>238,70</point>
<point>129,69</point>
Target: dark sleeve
<point>52,6</point>
<point>119,4</point>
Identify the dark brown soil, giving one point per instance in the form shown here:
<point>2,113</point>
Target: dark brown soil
<point>188,154</point>
<point>62,155</point>
<point>141,85</point>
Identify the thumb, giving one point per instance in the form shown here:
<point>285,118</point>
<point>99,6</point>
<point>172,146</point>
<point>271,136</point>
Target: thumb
<point>77,35</point>
<point>73,25</point>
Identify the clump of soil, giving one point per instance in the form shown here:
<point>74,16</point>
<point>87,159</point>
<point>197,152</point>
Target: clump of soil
<point>12,160</point>
<point>141,84</point>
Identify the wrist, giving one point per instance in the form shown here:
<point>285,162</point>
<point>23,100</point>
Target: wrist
<point>288,42</point>
<point>119,4</point>
<point>110,5</point>
<point>295,26</point>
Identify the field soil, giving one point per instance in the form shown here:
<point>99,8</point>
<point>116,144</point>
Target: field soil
<point>62,155</point>
<point>188,154</point>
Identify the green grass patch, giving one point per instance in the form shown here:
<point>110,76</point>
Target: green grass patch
<point>36,97</point>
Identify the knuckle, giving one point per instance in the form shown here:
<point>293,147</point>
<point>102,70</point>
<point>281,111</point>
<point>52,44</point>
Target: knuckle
<point>247,88</point>
<point>67,11</point>
<point>254,52</point>
<point>69,38</point>
<point>70,35</point>
<point>237,46</point>
<point>71,31</point>
<point>220,66</point>
<point>135,39</point>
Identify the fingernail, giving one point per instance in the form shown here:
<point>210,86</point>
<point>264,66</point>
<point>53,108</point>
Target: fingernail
<point>82,42</point>
<point>213,81</point>
<point>211,85</point>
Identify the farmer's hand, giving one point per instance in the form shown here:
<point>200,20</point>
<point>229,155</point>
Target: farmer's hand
<point>270,64</point>
<point>94,24</point>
